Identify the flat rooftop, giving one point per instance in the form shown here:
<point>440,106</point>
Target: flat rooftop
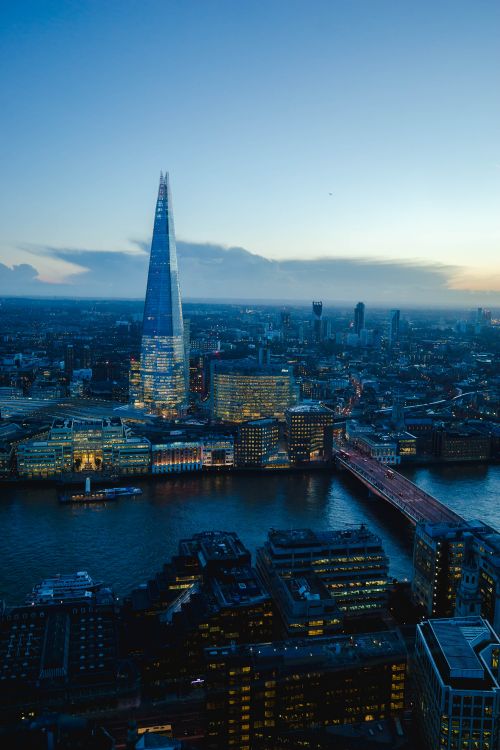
<point>309,538</point>
<point>309,409</point>
<point>333,652</point>
<point>457,646</point>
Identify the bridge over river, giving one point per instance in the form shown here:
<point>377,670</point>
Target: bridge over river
<point>415,504</point>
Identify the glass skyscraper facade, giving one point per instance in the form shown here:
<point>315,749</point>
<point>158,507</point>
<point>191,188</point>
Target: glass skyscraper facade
<point>163,360</point>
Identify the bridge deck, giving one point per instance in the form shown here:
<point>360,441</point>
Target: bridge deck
<point>414,503</point>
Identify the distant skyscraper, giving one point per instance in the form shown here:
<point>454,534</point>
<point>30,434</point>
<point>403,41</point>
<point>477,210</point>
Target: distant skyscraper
<point>317,308</point>
<point>394,318</point>
<point>86,356</point>
<point>69,360</point>
<point>359,317</point>
<point>163,366</point>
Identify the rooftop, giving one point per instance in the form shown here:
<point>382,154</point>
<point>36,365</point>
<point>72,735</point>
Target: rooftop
<point>459,649</point>
<point>310,538</point>
<point>333,652</point>
<point>309,409</point>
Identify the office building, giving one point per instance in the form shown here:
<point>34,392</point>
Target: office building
<point>457,687</point>
<point>382,448</point>
<point>257,443</point>
<point>241,390</point>
<point>86,357</point>
<point>208,595</point>
<point>438,551</point>
<point>217,452</point>
<point>163,348</point>
<point>442,554</point>
<point>255,693</point>
<point>317,310</point>
<point>310,433</point>
<point>351,564</point>
<point>304,605</point>
<point>56,656</point>
<point>462,444</point>
<point>394,320</point>
<point>359,318</point>
<point>69,360</point>
<point>80,445</point>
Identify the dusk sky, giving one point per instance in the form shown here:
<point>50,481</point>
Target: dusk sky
<point>365,131</point>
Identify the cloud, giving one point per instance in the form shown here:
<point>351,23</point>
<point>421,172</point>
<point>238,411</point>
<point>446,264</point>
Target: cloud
<point>211,271</point>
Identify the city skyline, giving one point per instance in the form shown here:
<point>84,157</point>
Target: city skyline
<point>354,136</point>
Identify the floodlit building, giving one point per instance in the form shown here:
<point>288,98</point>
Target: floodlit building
<point>176,457</point>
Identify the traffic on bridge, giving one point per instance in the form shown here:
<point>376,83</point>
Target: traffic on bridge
<point>414,503</point>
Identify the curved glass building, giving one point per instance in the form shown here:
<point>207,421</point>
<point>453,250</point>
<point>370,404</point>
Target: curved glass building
<point>163,367</point>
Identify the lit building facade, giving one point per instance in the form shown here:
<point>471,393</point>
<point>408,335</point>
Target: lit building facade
<point>457,686</point>
<point>176,457</point>
<point>243,391</point>
<point>351,564</point>
<point>257,442</point>
<point>254,693</point>
<point>84,446</point>
<point>310,433</point>
<point>217,452</point>
<point>163,367</point>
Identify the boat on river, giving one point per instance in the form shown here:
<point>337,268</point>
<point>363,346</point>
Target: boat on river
<point>98,496</point>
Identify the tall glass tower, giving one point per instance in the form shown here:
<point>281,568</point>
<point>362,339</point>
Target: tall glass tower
<point>163,366</point>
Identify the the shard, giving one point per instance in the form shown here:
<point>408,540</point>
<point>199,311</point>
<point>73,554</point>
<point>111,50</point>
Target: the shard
<point>162,388</point>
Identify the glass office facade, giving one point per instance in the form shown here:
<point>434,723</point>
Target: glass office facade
<point>163,356</point>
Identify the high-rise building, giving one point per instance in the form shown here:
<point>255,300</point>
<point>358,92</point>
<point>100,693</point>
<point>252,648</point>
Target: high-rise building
<point>163,349</point>
<point>394,320</point>
<point>457,688</point>
<point>359,317</point>
<point>69,360</point>
<point>317,308</point>
<point>86,357</point>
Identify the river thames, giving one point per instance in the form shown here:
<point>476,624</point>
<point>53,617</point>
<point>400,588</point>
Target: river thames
<point>126,541</point>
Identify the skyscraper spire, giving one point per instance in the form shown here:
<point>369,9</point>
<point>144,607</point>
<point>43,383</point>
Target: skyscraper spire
<point>163,387</point>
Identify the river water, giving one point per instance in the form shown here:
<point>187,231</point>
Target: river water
<point>126,541</point>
